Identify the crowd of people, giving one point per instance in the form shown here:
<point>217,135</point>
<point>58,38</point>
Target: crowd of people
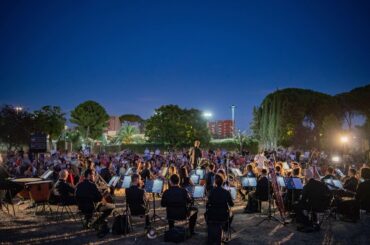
<point>77,175</point>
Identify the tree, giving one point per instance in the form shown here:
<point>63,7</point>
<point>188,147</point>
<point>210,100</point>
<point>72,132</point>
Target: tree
<point>126,135</point>
<point>15,127</point>
<point>132,118</point>
<point>50,120</point>
<point>329,132</point>
<point>90,118</point>
<point>174,126</point>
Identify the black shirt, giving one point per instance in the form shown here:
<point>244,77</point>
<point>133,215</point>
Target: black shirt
<point>87,194</point>
<point>64,189</point>
<point>136,200</point>
<point>219,201</point>
<point>176,200</point>
<point>363,195</point>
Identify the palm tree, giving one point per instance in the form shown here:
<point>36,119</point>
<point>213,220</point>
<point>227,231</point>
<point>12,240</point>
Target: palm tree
<point>126,135</point>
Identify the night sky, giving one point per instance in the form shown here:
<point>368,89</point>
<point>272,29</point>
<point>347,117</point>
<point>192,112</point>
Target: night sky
<point>134,56</point>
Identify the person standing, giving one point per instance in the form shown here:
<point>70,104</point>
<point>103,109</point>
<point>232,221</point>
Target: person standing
<point>195,153</point>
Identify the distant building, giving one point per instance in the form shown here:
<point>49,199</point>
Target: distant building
<point>114,125</point>
<point>221,129</point>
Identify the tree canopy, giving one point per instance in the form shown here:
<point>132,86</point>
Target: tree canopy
<point>90,118</point>
<point>295,116</point>
<point>176,127</point>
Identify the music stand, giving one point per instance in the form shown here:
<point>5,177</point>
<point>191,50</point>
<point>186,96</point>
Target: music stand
<point>195,179</point>
<point>113,181</point>
<point>249,182</point>
<point>154,187</point>
<point>126,183</point>
<point>200,172</point>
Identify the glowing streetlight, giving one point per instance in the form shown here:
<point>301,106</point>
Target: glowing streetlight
<point>344,139</point>
<point>207,114</point>
<point>335,159</point>
<point>18,109</point>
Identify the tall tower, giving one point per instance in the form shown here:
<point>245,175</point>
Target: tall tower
<point>233,107</point>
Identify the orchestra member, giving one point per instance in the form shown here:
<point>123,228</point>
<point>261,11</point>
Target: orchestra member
<point>106,172</point>
<point>293,196</point>
<point>248,171</point>
<point>87,194</point>
<point>260,194</point>
<point>177,201</point>
<point>363,190</point>
<point>351,182</point>
<point>316,196</point>
<point>329,174</point>
<point>65,190</point>
<point>195,153</point>
<point>210,177</point>
<point>145,173</point>
<point>218,214</point>
<point>137,201</point>
<point>10,187</point>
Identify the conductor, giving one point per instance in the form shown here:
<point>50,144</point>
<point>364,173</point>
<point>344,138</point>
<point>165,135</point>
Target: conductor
<point>195,153</point>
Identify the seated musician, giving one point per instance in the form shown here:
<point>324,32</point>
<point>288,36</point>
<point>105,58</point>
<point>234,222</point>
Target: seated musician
<point>106,172</point>
<point>218,214</point>
<point>136,199</point>
<point>177,201</point>
<point>363,190</point>
<point>260,194</point>
<point>292,196</point>
<point>210,177</point>
<point>65,190</point>
<point>351,182</point>
<point>248,172</point>
<point>11,188</point>
<point>87,194</point>
<point>185,181</point>
<point>329,174</point>
<point>316,197</point>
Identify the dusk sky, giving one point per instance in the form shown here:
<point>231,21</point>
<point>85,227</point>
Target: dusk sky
<point>134,56</point>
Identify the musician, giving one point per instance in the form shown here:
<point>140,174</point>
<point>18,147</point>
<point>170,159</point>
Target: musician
<point>218,214</point>
<point>293,196</point>
<point>195,153</point>
<point>351,182</point>
<point>10,187</point>
<point>145,173</point>
<point>177,201</point>
<point>65,190</point>
<point>210,176</point>
<point>106,172</point>
<point>316,196</point>
<point>329,174</point>
<point>363,190</point>
<point>87,194</point>
<point>248,171</point>
<point>260,194</point>
<point>136,199</point>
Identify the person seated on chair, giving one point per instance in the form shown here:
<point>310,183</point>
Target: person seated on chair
<point>11,188</point>
<point>329,174</point>
<point>218,214</point>
<point>65,190</point>
<point>87,195</point>
<point>292,196</point>
<point>363,190</point>
<point>351,183</point>
<point>316,197</point>
<point>136,199</point>
<point>177,201</point>
<point>260,194</point>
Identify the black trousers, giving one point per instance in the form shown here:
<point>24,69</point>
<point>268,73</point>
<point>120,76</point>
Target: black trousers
<point>192,219</point>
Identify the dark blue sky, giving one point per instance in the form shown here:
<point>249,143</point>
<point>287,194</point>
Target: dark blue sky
<point>133,56</point>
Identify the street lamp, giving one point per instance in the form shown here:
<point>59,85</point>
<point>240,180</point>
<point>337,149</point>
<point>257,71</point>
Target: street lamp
<point>18,109</point>
<point>344,139</point>
<point>207,114</point>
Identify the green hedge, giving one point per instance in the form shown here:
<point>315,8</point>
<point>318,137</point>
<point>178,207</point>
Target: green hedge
<point>251,146</point>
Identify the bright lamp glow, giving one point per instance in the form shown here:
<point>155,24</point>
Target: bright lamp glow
<point>344,139</point>
<point>207,114</point>
<point>335,159</point>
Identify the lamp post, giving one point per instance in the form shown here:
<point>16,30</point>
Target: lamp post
<point>344,140</point>
<point>233,107</point>
<point>18,109</point>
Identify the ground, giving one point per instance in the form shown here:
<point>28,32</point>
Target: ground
<point>28,228</point>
